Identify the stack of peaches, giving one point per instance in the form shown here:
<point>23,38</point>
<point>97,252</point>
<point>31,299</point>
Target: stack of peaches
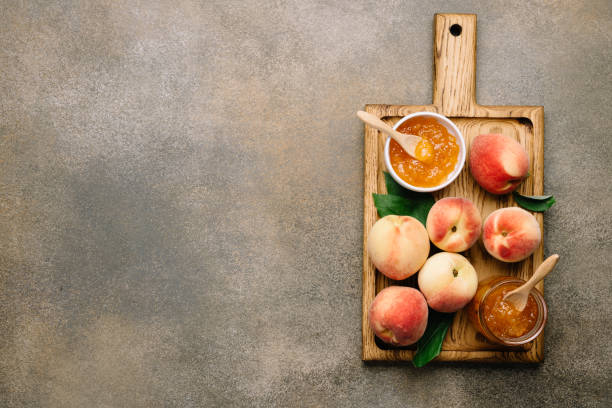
<point>399,245</point>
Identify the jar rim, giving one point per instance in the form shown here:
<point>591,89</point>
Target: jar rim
<point>531,334</point>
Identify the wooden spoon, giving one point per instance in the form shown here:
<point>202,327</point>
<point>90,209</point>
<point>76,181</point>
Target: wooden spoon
<point>518,297</point>
<point>417,147</point>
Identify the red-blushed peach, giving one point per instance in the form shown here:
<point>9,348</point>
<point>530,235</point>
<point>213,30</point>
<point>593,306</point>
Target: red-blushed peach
<point>398,246</point>
<point>511,234</point>
<point>448,281</point>
<point>498,163</point>
<point>398,315</point>
<point>454,224</point>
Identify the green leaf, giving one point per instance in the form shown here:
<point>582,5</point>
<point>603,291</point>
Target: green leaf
<point>534,203</point>
<point>393,187</point>
<point>401,201</point>
<point>430,345</point>
<point>387,204</point>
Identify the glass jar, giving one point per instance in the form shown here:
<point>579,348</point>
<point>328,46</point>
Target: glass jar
<point>480,307</point>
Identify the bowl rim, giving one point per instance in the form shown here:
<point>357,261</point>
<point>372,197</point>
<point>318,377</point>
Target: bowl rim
<point>446,122</point>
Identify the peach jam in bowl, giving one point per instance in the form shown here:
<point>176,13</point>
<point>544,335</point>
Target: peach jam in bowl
<point>449,153</point>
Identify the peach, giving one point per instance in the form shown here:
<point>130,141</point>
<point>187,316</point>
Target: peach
<point>453,224</point>
<point>498,163</point>
<point>398,315</point>
<point>398,246</point>
<point>511,234</point>
<point>448,281</point>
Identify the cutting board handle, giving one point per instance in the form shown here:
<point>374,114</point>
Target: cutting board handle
<point>454,91</point>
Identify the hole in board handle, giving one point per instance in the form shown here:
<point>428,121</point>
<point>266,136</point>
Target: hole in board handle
<point>455,30</point>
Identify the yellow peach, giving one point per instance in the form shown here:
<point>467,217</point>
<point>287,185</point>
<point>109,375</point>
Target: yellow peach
<point>448,281</point>
<point>498,163</point>
<point>454,224</point>
<point>398,246</point>
<point>511,234</point>
<point>398,315</point>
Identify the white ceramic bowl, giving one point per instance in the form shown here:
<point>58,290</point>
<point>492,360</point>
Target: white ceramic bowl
<point>453,130</point>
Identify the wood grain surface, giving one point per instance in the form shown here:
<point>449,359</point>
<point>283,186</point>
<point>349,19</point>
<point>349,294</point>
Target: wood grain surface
<point>454,97</point>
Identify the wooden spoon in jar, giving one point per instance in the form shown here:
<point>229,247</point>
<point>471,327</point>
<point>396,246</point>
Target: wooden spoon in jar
<point>417,147</point>
<point>518,297</point>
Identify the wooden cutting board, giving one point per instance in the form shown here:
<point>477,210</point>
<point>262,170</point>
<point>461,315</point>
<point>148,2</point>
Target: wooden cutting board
<point>454,97</point>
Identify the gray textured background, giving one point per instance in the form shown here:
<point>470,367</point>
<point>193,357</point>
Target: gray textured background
<point>181,199</point>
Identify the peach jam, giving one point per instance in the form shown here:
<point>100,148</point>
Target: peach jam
<point>498,320</point>
<point>505,320</point>
<point>434,171</point>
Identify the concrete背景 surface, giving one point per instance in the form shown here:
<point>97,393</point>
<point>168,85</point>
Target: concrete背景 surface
<point>181,199</point>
